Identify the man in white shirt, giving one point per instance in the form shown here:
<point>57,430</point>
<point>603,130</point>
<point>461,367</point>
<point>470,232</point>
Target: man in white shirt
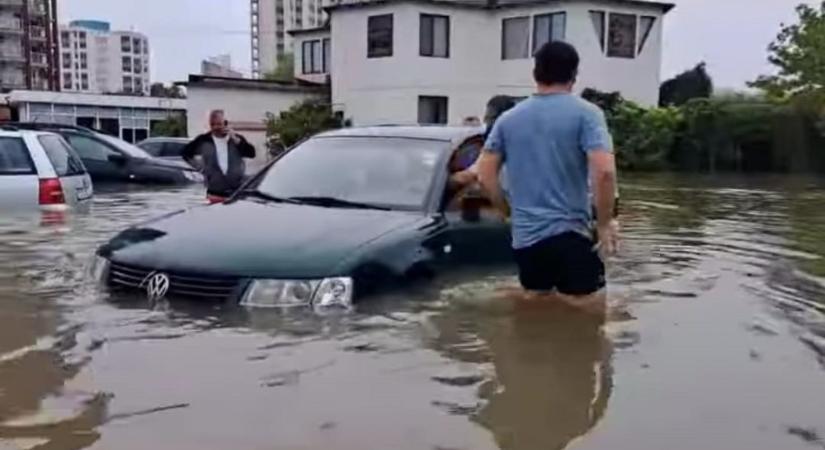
<point>222,152</point>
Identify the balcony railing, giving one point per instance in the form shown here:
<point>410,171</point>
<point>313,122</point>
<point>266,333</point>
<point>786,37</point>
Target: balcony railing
<point>13,54</point>
<point>38,33</point>
<point>11,3</point>
<point>11,24</point>
<point>39,59</point>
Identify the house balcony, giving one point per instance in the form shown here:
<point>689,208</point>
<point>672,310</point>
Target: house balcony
<point>39,59</point>
<point>11,25</point>
<point>10,54</point>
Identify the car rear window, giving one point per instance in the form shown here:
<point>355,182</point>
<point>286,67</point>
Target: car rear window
<point>66,163</point>
<point>15,158</point>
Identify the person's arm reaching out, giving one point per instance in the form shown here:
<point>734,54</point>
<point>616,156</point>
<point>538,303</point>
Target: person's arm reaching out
<point>489,166</point>
<point>598,145</point>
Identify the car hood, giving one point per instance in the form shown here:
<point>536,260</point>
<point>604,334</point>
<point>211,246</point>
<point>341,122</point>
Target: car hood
<point>251,239</point>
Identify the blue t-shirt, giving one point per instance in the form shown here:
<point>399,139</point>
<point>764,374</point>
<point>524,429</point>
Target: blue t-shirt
<point>544,142</point>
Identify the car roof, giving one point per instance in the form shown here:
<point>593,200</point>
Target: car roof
<point>12,132</point>
<point>454,135</point>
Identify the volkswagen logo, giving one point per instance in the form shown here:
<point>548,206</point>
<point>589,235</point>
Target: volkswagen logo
<point>157,285</point>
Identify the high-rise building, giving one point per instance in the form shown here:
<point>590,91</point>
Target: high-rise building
<point>28,45</point>
<point>219,66</point>
<point>270,21</point>
<point>95,59</point>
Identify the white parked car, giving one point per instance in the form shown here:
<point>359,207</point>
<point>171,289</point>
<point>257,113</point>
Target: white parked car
<point>40,170</point>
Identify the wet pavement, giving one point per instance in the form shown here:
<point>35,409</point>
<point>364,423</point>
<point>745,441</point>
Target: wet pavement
<point>715,339</point>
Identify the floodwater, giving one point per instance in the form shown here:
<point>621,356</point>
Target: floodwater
<point>715,339</point>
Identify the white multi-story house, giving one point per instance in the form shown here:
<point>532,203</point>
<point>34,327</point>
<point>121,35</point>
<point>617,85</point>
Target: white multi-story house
<point>269,22</point>
<point>439,61</point>
<point>95,59</point>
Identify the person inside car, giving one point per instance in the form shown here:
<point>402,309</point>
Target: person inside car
<point>222,153</point>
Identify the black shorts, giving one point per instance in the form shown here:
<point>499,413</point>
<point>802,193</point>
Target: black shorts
<point>567,263</point>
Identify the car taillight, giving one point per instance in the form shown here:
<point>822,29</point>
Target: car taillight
<point>51,192</point>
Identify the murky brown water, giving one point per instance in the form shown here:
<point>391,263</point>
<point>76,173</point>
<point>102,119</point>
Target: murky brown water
<point>715,340</point>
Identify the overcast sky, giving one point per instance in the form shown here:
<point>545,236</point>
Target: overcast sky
<point>730,35</point>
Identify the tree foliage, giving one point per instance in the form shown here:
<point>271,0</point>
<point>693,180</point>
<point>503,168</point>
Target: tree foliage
<point>798,52</point>
<point>173,126</point>
<point>161,90</point>
<point>284,69</point>
<point>693,83</point>
<point>300,121</point>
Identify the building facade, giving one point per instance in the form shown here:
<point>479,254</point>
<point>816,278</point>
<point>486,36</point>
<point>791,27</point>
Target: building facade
<point>270,21</point>
<point>95,59</point>
<point>130,118</point>
<point>467,52</point>
<point>219,66</point>
<point>28,45</point>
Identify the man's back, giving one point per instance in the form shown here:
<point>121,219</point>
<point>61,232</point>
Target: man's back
<point>544,143</point>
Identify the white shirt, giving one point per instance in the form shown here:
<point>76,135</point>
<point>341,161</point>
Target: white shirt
<point>222,150</point>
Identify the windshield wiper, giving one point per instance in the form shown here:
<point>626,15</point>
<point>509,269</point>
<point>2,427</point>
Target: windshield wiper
<point>332,202</point>
<point>264,196</point>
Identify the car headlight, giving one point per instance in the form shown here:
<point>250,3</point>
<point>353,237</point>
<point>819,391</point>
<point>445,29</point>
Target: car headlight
<point>334,294</point>
<point>324,295</point>
<point>99,269</point>
<point>283,293</point>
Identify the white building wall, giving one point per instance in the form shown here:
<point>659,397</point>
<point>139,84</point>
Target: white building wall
<point>270,22</point>
<point>245,109</point>
<point>104,61</point>
<point>386,90</point>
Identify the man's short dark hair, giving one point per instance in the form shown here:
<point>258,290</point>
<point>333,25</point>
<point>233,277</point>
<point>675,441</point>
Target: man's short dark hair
<point>557,62</point>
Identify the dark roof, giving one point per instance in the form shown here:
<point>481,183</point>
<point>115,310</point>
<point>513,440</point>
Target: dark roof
<point>454,135</point>
<point>489,4</point>
<point>249,83</point>
<point>308,30</point>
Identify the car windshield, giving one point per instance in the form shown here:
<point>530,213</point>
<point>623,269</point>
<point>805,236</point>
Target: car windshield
<point>125,147</point>
<point>386,172</point>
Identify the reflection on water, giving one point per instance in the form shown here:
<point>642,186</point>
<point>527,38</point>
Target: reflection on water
<point>714,339</point>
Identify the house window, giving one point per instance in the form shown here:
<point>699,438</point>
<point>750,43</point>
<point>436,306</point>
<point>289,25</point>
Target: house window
<point>598,19</point>
<point>127,64</point>
<point>515,38</point>
<point>67,81</point>
<point>67,60</point>
<point>84,80</point>
<point>138,65</point>
<point>327,55</point>
<point>379,36</point>
<point>65,39</point>
<point>432,110</point>
<point>312,57</point>
<point>621,41</point>
<point>125,44</point>
<point>548,27</point>
<point>645,27</point>
<point>136,45</point>
<point>127,84</point>
<point>84,61</point>
<point>434,36</point>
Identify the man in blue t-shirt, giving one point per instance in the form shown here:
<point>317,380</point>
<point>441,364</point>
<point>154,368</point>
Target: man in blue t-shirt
<point>556,146</point>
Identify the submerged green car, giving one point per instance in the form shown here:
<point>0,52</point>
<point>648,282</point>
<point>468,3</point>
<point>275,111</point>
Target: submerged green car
<point>341,216</point>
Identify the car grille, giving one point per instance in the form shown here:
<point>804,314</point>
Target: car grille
<point>180,284</point>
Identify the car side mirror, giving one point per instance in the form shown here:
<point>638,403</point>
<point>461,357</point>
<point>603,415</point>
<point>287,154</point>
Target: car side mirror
<point>117,159</point>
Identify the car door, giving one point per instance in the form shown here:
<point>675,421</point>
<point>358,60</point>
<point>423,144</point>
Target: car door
<point>476,233</point>
<point>102,161</point>
<point>19,183</point>
<point>77,185</point>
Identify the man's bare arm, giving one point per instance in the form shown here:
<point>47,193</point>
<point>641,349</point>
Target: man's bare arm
<point>489,165</point>
<point>603,182</point>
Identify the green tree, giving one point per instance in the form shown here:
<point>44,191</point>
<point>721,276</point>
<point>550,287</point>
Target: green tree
<point>173,126</point>
<point>300,121</point>
<point>284,69</point>
<point>798,53</point>
<point>693,83</point>
<point>161,90</point>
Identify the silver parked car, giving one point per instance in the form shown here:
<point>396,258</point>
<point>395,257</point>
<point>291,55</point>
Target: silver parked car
<point>40,170</point>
